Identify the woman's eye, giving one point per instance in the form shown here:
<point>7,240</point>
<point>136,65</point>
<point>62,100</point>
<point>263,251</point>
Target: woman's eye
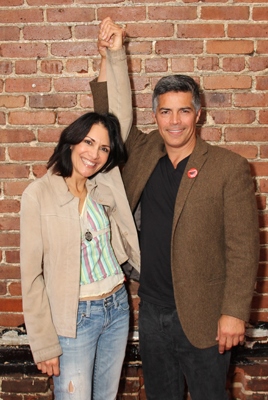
<point>88,141</point>
<point>105,149</point>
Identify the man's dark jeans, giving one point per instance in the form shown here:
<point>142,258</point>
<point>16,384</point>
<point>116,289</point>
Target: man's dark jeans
<point>168,358</point>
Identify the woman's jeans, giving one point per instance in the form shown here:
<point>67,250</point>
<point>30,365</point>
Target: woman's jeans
<point>168,358</point>
<point>91,364</point>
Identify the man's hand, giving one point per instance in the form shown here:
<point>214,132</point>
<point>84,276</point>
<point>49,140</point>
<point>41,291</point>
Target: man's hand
<point>50,367</point>
<point>111,36</point>
<point>231,332</point>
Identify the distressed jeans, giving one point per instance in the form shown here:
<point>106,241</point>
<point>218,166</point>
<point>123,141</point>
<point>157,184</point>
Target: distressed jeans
<point>91,364</point>
<point>168,359</point>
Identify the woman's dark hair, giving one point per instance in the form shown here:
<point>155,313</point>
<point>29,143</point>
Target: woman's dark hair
<point>60,162</point>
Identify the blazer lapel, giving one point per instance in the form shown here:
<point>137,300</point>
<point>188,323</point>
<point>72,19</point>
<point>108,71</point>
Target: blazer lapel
<point>193,167</point>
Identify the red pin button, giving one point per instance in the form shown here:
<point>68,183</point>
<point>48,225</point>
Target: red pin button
<point>192,173</point>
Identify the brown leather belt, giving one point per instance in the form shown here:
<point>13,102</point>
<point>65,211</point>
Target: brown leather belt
<point>102,296</point>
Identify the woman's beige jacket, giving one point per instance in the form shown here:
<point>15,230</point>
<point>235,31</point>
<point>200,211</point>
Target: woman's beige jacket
<point>50,252</point>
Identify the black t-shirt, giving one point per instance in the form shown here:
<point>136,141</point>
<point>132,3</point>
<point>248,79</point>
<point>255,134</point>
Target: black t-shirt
<point>157,209</point>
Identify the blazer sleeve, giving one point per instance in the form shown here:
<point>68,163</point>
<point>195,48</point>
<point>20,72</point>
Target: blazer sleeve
<point>241,230</point>
<point>41,332</point>
<point>117,90</point>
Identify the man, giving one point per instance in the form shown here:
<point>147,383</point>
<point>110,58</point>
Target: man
<point>198,237</point>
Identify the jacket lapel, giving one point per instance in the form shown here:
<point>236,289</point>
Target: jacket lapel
<point>194,165</point>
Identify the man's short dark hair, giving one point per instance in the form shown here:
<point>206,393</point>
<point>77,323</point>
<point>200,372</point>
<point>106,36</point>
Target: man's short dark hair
<point>177,83</point>
<point>60,162</point>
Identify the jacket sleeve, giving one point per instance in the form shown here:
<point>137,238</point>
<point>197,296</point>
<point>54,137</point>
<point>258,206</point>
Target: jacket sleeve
<point>241,241</point>
<point>41,332</point>
<point>117,89</point>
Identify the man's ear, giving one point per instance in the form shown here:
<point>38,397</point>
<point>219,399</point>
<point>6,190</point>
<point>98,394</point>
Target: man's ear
<point>154,117</point>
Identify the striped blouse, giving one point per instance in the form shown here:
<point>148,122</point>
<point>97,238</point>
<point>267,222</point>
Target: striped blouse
<point>100,271</point>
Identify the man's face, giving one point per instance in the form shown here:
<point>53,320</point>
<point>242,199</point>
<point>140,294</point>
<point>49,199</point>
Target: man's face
<point>176,119</point>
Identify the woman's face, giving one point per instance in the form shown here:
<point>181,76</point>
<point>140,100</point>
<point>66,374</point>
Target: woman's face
<point>90,155</point>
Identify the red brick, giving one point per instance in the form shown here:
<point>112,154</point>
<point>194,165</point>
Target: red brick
<point>230,47</point>
<point>5,68</point>
<point>194,30</point>
<point>175,12</point>
<point>32,118</point>
<point>9,3</point>
<point>48,2</point>
<point>9,272</point>
<point>9,223</point>
<point>39,170</point>
<point>264,151</point>
<point>142,101</point>
<point>139,47</point>
<point>23,50</point>
<point>260,168</point>
<point>20,15</point>
<point>86,101</point>
<point>47,32</point>
<point>258,63</point>
<point>150,30</point>
<point>223,13</point>
<point>52,101</point>
<point>28,85</point>
<point>10,304</point>
<point>26,67</point>
<point>262,47</point>
<point>12,320</point>
<point>247,30</point>
<point>86,31</point>
<point>232,116</point>
<point>30,153</point>
<point>25,385</point>
<point>16,135</point>
<point>72,85</point>
<point>71,49</point>
<point>263,117</point>
<point>254,134</point>
<point>52,66</point>
<point>14,288</point>
<point>9,33</point>
<point>233,82</point>
<point>78,65</point>
<point>178,47</point>
<point>13,257</point>
<point>67,117</point>
<point>208,63</point>
<point>156,65</point>
<point>182,64</point>
<point>71,14</point>
<point>140,83</point>
<point>49,134</point>
<point>260,13</point>
<point>3,288</point>
<point>261,82</point>
<point>213,134</point>
<point>11,171</point>
<point>217,99</point>
<point>12,102</point>
<point>233,64</point>
<point>247,151</point>
<point>125,14</point>
<point>9,206</point>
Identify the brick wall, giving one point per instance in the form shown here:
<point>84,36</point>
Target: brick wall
<point>48,55</point>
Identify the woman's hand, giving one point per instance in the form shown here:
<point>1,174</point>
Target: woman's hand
<point>50,367</point>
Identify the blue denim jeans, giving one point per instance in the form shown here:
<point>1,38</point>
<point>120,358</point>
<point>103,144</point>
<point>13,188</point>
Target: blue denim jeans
<point>91,364</point>
<point>168,359</point>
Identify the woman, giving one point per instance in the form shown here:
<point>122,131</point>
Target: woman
<point>76,231</point>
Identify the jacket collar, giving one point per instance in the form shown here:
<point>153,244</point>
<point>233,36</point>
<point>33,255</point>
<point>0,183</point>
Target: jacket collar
<point>196,161</point>
<point>62,194</point>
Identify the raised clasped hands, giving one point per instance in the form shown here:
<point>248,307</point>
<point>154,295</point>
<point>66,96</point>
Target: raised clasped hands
<point>111,36</point>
